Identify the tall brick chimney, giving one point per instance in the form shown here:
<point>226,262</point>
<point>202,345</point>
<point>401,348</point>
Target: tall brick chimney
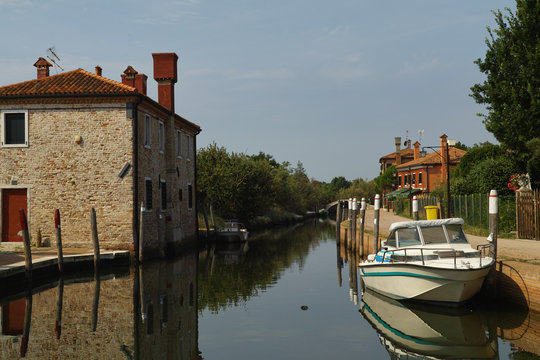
<point>416,150</point>
<point>397,142</point>
<point>42,66</point>
<point>165,73</point>
<point>444,151</point>
<point>132,78</point>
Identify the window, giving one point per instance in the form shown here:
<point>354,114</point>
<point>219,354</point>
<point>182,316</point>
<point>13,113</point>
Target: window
<point>179,143</point>
<point>399,180</point>
<point>163,194</point>
<point>180,195</point>
<point>161,137</point>
<point>14,128</point>
<point>147,132</point>
<point>408,237</point>
<point>148,194</point>
<point>188,147</point>
<point>414,179</point>
<point>419,178</point>
<point>190,196</point>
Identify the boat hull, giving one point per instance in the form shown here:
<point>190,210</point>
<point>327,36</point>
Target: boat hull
<point>423,283</point>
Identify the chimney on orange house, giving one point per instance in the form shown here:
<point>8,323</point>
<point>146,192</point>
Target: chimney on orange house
<point>397,142</point>
<point>165,73</point>
<point>132,78</point>
<point>416,150</point>
<point>42,66</point>
<point>444,159</point>
<point>99,70</point>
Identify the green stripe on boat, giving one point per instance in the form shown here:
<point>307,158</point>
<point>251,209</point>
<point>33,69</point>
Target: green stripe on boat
<point>402,274</point>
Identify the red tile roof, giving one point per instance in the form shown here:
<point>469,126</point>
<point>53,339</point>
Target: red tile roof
<point>403,152</point>
<point>434,158</point>
<point>76,82</point>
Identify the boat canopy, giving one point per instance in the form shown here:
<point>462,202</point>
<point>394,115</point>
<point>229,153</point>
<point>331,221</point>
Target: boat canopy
<point>425,223</point>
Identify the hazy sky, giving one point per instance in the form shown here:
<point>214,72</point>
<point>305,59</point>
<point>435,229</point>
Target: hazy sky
<point>327,83</point>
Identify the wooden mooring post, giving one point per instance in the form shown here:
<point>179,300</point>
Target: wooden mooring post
<point>59,240</point>
<point>95,239</point>
<point>493,229</point>
<point>27,249</point>
<point>361,232</point>
<point>377,207</point>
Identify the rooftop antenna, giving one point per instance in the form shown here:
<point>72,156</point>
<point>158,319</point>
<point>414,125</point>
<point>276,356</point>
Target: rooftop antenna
<point>420,134</point>
<point>407,142</point>
<point>51,55</point>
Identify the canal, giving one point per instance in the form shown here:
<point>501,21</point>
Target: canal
<point>290,293</point>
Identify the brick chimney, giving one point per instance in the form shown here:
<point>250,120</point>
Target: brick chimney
<point>444,151</point>
<point>165,73</point>
<point>397,142</point>
<point>132,78</point>
<point>98,70</point>
<point>416,150</point>
<point>42,66</point>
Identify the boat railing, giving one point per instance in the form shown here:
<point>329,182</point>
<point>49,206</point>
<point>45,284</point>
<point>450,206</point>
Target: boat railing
<point>400,255</point>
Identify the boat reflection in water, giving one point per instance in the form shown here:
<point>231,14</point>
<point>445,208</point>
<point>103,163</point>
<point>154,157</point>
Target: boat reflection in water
<point>419,331</point>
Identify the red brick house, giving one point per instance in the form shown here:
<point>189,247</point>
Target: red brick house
<point>398,157</point>
<point>428,172</point>
<point>78,140</point>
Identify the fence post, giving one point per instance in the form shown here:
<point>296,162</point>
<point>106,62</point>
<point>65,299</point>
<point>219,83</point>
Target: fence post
<point>376,214</point>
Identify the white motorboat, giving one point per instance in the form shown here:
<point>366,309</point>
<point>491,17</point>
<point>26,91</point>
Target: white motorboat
<point>233,231</point>
<point>428,260</point>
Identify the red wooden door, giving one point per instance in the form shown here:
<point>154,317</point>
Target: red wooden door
<point>13,200</point>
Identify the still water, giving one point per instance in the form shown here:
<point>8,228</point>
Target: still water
<point>288,294</point>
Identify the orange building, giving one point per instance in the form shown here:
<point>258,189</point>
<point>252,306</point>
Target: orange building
<point>429,171</point>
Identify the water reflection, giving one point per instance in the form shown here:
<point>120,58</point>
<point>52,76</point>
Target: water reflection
<point>409,331</point>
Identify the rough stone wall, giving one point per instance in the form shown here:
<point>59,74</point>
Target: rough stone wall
<point>176,223</point>
<point>73,178</point>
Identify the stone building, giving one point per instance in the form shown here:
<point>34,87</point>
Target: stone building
<point>77,140</point>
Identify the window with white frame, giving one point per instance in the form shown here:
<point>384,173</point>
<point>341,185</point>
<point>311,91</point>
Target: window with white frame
<point>161,137</point>
<point>419,178</point>
<point>14,128</point>
<point>414,178</point>
<point>147,131</point>
<point>179,143</point>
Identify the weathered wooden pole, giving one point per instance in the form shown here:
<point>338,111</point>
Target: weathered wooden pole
<point>59,240</point>
<point>59,303</point>
<point>161,236</point>
<point>27,249</point>
<point>494,219</point>
<point>338,222</point>
<point>95,239</point>
<point>376,214</point>
<point>350,219</point>
<point>354,212</point>
<point>141,234</point>
<point>361,233</point>
<point>415,207</point>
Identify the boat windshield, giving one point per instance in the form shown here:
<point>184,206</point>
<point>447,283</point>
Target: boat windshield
<point>433,235</point>
<point>408,237</point>
<point>456,234</point>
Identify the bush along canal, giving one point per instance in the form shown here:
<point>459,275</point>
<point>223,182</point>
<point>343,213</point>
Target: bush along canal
<point>291,293</point>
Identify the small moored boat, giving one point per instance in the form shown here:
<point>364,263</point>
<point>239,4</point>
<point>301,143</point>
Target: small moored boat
<point>232,231</point>
<point>428,260</point>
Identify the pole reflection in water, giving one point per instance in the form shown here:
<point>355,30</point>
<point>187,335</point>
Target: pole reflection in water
<point>95,303</point>
<point>59,303</point>
<point>27,323</point>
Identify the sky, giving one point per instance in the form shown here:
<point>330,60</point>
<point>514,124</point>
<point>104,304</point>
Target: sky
<point>326,83</point>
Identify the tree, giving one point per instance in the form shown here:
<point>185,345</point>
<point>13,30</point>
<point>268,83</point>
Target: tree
<point>388,178</point>
<point>511,91</point>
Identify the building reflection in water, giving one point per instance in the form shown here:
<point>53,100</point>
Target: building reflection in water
<point>148,312</point>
